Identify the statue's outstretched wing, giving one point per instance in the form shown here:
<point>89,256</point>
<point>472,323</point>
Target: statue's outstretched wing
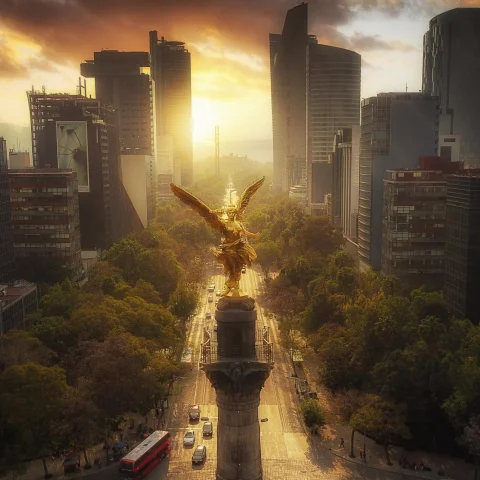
<point>248,194</point>
<point>195,204</point>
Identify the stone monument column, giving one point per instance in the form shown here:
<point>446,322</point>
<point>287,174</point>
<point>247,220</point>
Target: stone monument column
<point>237,369</point>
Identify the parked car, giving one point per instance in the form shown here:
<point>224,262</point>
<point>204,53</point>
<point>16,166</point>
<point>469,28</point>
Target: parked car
<point>208,315</point>
<point>199,455</point>
<point>189,438</point>
<point>210,299</point>
<point>207,429</point>
<point>194,412</point>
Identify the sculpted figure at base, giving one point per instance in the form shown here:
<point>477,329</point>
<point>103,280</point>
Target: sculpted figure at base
<point>234,251</point>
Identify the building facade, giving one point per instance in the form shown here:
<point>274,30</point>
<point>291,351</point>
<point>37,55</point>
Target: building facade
<point>333,99</point>
<point>18,159</point>
<point>17,301</point>
<point>288,75</point>
<point>346,153</point>
<point>397,128</point>
<point>413,226</point>
<point>451,71</point>
<point>6,244</point>
<point>172,75</point>
<point>121,82</point>
<point>45,217</point>
<point>462,249</point>
<point>72,131</point>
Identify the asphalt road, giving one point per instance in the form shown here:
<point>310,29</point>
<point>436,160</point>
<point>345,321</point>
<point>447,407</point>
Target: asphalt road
<point>287,452</point>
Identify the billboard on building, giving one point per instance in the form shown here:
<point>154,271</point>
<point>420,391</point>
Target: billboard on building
<point>72,150</point>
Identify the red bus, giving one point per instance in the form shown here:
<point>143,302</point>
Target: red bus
<point>143,459</point>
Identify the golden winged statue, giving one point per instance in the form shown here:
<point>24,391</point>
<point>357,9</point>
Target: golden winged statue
<point>234,251</point>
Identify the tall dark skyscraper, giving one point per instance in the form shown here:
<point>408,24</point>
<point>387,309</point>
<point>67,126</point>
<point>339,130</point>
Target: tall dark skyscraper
<point>397,128</point>
<point>288,72</point>
<point>171,72</point>
<point>315,92</point>
<point>122,82</point>
<point>6,243</point>
<point>462,247</point>
<point>451,71</point>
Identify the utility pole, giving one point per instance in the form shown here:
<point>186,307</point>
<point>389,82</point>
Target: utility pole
<point>217,150</point>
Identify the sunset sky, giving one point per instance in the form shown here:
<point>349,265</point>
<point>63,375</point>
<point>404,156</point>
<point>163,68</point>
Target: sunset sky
<point>42,42</point>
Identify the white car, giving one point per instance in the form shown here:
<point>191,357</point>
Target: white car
<point>210,298</point>
<point>189,438</point>
<point>218,293</point>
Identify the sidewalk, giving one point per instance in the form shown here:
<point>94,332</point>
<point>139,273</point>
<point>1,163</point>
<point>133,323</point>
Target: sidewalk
<point>453,468</point>
<point>35,470</point>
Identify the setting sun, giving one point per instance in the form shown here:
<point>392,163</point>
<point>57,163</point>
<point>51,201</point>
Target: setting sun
<point>205,117</point>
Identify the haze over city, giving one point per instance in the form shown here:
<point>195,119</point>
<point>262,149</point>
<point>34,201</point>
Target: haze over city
<point>42,42</point>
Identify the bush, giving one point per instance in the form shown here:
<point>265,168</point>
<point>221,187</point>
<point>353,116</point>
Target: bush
<point>312,412</point>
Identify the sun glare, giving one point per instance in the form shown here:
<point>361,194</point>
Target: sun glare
<point>204,119</point>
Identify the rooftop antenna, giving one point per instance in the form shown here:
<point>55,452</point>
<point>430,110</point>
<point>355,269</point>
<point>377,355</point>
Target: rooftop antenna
<point>217,150</point>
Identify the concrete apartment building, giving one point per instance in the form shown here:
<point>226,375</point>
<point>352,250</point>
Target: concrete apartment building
<point>79,133</point>
<point>345,164</point>
<point>462,249</point>
<point>121,82</point>
<point>413,226</point>
<point>18,159</point>
<point>17,301</point>
<point>451,72</point>
<point>397,128</point>
<point>45,217</point>
<point>172,76</point>
<point>6,244</point>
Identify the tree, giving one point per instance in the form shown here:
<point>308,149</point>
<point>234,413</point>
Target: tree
<point>382,419</point>
<point>347,403</point>
<point>183,302</point>
<point>471,435</point>
<point>60,300</point>
<point>268,255</point>
<point>318,234</point>
<point>18,347</point>
<point>32,395</point>
<point>78,423</point>
<point>313,414</point>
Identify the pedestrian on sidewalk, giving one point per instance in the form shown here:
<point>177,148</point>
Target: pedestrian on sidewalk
<point>342,443</point>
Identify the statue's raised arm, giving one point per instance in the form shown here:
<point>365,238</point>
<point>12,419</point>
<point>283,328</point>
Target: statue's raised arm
<point>211,216</point>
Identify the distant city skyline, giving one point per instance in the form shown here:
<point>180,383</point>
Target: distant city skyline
<point>229,48</point>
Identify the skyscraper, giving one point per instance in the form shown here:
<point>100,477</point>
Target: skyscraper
<point>333,99</point>
<point>397,128</point>
<point>451,71</point>
<point>171,72</point>
<point>6,243</point>
<point>120,81</point>
<point>315,91</point>
<point>288,72</point>
<point>462,248</point>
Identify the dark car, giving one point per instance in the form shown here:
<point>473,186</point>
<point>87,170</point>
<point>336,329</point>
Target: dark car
<point>194,412</point>
<point>199,455</point>
<point>207,429</point>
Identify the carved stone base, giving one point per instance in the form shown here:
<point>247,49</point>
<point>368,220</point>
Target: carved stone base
<point>238,386</point>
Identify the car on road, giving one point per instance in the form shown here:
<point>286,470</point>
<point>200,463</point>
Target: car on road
<point>244,270</point>
<point>215,327</point>
<point>207,429</point>
<point>218,293</point>
<point>211,287</point>
<point>208,315</point>
<point>194,412</point>
<point>199,455</point>
<point>216,302</point>
<point>189,438</point>
<point>210,299</point>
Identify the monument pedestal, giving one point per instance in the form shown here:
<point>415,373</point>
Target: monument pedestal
<point>238,371</point>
